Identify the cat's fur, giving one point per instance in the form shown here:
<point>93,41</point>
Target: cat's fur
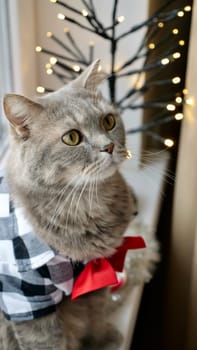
<point>74,196</point>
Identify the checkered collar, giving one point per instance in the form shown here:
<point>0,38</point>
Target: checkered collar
<point>33,277</point>
<point>20,246</point>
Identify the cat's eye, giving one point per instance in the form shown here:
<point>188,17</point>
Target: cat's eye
<point>72,138</point>
<point>109,122</point>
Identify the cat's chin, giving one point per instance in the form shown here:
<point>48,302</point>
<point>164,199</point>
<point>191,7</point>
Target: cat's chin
<point>97,174</point>
<point>108,172</point>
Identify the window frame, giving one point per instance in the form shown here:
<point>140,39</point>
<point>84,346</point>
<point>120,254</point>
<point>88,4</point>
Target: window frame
<point>18,70</point>
<point>6,73</point>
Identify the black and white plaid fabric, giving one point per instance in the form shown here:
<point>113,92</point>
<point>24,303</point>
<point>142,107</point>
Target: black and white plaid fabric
<point>33,278</point>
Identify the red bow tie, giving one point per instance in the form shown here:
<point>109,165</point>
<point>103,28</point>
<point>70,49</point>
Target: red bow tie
<point>100,273</point>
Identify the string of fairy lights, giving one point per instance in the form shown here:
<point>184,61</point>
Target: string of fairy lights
<point>67,66</point>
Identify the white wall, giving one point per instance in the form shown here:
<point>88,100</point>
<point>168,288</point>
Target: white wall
<point>22,35</point>
<point>5,71</point>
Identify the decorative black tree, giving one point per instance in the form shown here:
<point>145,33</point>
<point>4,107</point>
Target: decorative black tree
<point>67,66</point>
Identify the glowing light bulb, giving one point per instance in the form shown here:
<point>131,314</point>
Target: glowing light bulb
<point>76,68</point>
<point>189,101</point>
<point>49,71</point>
<point>121,19</point>
<point>54,1</point>
<point>165,61</point>
<point>176,80</point>
<point>84,12</point>
<point>151,46</point>
<point>179,99</point>
<point>175,31</point>
<point>61,16</point>
<point>40,89</point>
<point>99,68</point>
<point>38,49</point>
<point>168,142</point>
<point>178,116</point>
<point>185,91</point>
<point>53,60</point>
<point>160,24</point>
<point>170,107</point>
<point>139,83</point>
<point>128,154</point>
<point>187,8</point>
<point>176,55</point>
<point>180,13</point>
<point>47,65</point>
<point>91,43</point>
<point>181,42</point>
<point>49,34</point>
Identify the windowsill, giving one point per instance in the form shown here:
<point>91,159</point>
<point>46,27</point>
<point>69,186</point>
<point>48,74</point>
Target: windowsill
<point>149,189</point>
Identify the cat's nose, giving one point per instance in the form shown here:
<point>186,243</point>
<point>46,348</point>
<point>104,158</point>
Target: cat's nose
<point>108,148</point>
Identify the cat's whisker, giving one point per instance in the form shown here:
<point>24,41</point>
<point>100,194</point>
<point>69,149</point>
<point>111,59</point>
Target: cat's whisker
<point>91,194</point>
<point>60,195</point>
<point>59,209</point>
<point>149,174</point>
<point>56,211</point>
<point>73,205</point>
<point>153,153</point>
<point>147,160</point>
<point>72,194</point>
<point>91,166</point>
<point>167,174</point>
<point>167,178</point>
<point>98,166</point>
<point>93,184</point>
<point>65,186</point>
<point>90,190</point>
<point>97,189</point>
<point>54,198</point>
<point>82,191</point>
<point>89,170</point>
<point>84,170</point>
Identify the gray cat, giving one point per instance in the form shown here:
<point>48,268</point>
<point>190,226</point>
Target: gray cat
<point>63,176</point>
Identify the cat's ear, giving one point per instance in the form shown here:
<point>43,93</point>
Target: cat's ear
<point>20,111</point>
<point>90,78</point>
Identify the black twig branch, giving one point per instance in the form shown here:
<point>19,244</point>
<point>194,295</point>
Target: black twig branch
<point>87,19</point>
